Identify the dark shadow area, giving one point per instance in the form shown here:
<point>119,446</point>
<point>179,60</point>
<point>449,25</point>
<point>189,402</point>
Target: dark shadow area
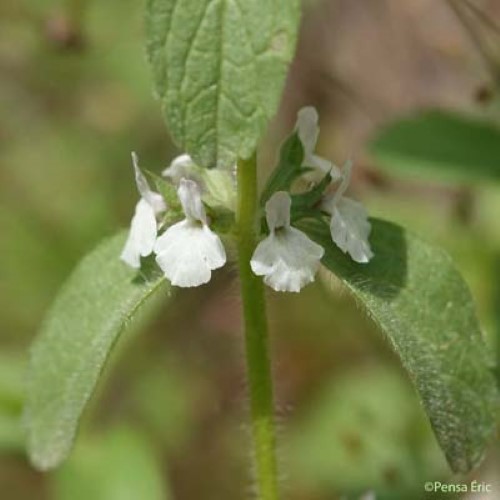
<point>385,275</point>
<point>148,272</point>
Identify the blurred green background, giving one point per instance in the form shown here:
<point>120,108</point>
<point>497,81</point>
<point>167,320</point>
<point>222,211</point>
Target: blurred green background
<point>170,421</point>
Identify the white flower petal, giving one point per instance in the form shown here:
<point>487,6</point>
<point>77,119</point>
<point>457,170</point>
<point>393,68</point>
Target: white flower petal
<point>331,199</point>
<point>190,197</point>
<point>349,224</point>
<point>308,129</point>
<point>350,229</point>
<point>182,167</point>
<point>188,252</point>
<point>278,210</point>
<point>287,259</point>
<point>154,199</point>
<point>346,179</point>
<point>142,235</point>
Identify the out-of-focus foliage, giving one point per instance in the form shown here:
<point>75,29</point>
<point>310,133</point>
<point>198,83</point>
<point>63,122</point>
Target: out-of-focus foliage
<point>442,146</point>
<point>11,399</point>
<point>366,427</point>
<point>71,114</point>
<point>118,465</point>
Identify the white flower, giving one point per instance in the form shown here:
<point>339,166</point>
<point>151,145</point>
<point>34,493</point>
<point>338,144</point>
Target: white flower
<point>287,258</point>
<point>349,224</point>
<point>216,184</point>
<point>182,167</point>
<point>143,229</point>
<point>189,251</point>
<point>308,131</point>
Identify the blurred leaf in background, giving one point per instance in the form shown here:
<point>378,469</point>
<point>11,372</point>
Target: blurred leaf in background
<point>164,397</point>
<point>439,145</point>
<point>70,117</point>
<point>12,373</point>
<point>120,464</point>
<point>365,431</point>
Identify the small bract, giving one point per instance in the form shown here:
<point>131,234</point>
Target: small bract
<point>287,258</point>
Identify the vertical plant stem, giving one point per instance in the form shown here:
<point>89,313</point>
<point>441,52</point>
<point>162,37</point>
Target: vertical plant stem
<point>256,335</point>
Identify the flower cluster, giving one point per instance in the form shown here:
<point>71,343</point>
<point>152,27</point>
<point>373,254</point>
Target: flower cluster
<point>188,250</point>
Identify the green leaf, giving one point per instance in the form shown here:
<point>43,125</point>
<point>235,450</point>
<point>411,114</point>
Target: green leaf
<point>219,67</point>
<point>220,188</point>
<point>88,316</point>
<point>421,303</point>
<point>443,145</point>
<point>119,465</point>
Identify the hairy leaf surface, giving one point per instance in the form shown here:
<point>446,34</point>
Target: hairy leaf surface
<point>219,67</point>
<point>88,316</point>
<point>420,302</point>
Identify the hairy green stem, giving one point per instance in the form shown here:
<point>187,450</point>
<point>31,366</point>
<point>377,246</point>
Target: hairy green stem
<point>256,335</point>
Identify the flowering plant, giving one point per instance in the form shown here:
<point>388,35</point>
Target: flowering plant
<point>188,251</point>
<point>219,69</point>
